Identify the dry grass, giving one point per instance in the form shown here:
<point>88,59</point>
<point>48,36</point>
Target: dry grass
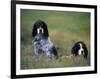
<point>65,28</point>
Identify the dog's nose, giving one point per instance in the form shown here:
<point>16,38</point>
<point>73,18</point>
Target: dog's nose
<point>40,30</point>
<point>82,51</point>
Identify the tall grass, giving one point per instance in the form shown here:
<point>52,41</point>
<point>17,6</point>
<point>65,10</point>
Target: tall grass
<point>65,28</point>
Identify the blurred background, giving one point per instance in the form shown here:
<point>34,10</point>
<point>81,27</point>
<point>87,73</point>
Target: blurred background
<point>65,28</point>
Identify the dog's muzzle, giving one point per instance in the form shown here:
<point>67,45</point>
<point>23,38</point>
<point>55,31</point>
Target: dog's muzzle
<point>40,30</point>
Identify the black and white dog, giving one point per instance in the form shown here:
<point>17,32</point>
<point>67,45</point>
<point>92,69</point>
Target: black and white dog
<point>79,48</point>
<point>41,41</point>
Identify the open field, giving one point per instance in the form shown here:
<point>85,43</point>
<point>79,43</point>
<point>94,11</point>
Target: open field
<point>65,28</point>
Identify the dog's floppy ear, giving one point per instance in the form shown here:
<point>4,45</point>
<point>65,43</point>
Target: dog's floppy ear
<point>34,30</point>
<point>85,51</point>
<point>45,29</point>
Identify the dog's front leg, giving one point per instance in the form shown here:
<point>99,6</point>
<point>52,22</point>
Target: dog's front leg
<point>35,53</point>
<point>48,54</point>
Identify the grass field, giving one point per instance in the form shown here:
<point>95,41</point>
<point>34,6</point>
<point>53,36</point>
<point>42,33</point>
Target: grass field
<point>65,28</point>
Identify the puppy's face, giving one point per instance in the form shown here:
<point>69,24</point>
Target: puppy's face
<point>80,49</point>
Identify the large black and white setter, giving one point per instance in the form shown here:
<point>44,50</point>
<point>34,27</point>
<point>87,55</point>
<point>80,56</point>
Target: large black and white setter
<point>41,41</point>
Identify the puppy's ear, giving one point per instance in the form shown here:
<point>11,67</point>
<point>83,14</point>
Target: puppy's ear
<point>85,51</point>
<point>34,31</point>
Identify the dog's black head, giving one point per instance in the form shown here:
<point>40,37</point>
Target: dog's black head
<point>79,48</point>
<point>40,27</point>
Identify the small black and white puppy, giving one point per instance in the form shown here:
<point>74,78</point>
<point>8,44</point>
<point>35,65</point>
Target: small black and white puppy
<point>41,41</point>
<point>79,48</point>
